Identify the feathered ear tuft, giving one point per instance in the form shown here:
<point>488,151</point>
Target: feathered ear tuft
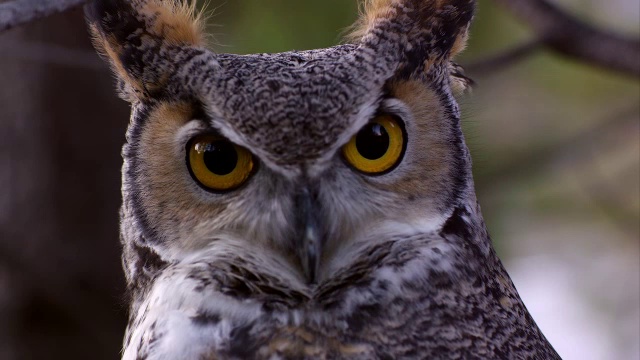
<point>370,11</point>
<point>137,37</point>
<point>425,32</point>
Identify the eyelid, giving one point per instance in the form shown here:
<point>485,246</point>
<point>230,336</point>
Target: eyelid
<point>395,107</point>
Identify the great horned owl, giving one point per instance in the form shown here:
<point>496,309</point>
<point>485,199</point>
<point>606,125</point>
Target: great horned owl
<point>308,204</point>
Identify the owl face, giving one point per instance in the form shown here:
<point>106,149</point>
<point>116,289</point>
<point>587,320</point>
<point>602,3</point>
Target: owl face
<point>304,156</point>
<point>393,162</point>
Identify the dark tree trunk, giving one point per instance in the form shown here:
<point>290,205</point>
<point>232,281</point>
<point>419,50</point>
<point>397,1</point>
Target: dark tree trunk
<point>61,129</point>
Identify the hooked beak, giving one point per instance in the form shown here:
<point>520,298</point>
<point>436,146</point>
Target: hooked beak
<point>309,236</point>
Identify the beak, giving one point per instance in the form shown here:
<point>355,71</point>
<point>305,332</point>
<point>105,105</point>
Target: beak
<point>309,236</point>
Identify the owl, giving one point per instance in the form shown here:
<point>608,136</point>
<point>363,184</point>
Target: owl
<point>309,204</point>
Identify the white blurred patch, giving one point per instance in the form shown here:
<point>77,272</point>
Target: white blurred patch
<point>548,289</point>
<point>581,285</point>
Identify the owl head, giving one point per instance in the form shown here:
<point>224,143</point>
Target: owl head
<point>299,157</point>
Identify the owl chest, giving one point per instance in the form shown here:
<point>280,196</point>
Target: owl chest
<point>344,320</point>
<point>253,319</point>
<point>313,332</point>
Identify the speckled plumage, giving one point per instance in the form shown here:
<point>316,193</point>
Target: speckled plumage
<point>407,269</point>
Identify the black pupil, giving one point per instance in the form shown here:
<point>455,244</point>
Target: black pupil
<point>220,157</point>
<point>372,141</point>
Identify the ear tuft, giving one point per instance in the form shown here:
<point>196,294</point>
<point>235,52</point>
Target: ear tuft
<point>181,22</point>
<point>425,32</point>
<point>370,11</point>
<point>137,37</point>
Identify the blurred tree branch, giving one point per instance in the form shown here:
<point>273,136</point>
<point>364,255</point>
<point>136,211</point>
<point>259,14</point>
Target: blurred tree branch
<point>18,12</point>
<point>567,35</point>
<point>504,59</point>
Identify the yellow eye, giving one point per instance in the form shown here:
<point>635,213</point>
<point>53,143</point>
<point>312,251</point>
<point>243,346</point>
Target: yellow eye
<point>218,164</point>
<point>377,147</point>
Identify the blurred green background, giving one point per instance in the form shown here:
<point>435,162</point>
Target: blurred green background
<point>555,144</point>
